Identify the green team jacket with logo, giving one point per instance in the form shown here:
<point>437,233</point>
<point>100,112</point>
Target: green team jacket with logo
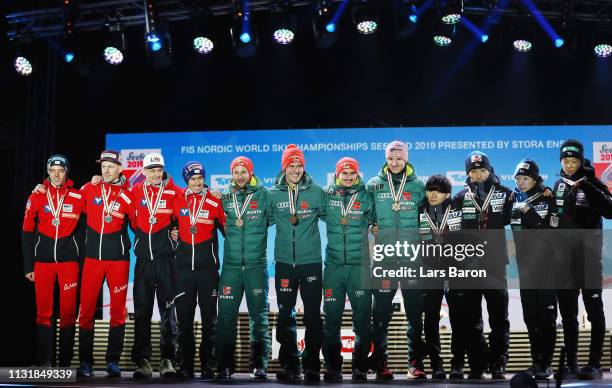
<point>404,224</point>
<point>246,246</point>
<point>301,243</point>
<point>346,242</point>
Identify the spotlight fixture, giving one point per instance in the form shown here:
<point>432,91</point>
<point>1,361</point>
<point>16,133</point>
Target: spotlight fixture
<point>523,35</point>
<point>365,17</point>
<point>203,41</point>
<point>602,43</point>
<point>157,40</point>
<point>450,11</point>
<point>115,48</point>
<point>244,38</point>
<point>444,35</point>
<point>324,25</point>
<point>283,24</point>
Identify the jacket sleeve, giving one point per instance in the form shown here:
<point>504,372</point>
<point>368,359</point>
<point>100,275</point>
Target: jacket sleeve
<point>220,219</point>
<point>270,210</point>
<point>371,211</point>
<point>323,207</point>
<point>28,234</point>
<point>508,206</point>
<point>599,196</point>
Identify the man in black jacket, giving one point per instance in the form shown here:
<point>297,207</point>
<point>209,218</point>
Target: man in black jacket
<point>534,215</point>
<point>582,200</point>
<point>486,207</point>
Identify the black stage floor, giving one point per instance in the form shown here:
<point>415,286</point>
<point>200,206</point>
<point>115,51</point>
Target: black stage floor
<point>244,380</point>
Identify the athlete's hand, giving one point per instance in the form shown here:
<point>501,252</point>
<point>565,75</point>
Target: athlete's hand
<point>96,179</point>
<point>216,193</point>
<point>39,189</point>
<point>548,192</point>
<point>174,234</point>
<point>374,230</point>
<point>30,276</point>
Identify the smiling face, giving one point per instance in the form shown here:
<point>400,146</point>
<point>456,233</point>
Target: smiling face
<point>479,175</point>
<point>524,183</point>
<point>57,175</point>
<point>196,184</point>
<point>396,162</point>
<point>570,165</point>
<point>347,177</point>
<point>240,175</point>
<point>435,197</point>
<point>154,175</point>
<point>294,173</point>
<point>110,171</point>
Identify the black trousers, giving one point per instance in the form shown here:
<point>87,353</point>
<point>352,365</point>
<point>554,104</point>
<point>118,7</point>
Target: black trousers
<point>432,303</point>
<point>197,287</point>
<point>307,278</point>
<point>568,306</point>
<point>540,316</point>
<point>151,278</point>
<point>467,327</point>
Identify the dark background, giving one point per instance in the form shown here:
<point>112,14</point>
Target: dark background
<point>362,81</point>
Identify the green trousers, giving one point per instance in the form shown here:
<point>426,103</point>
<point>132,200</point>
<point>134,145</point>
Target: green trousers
<point>338,283</point>
<point>234,282</point>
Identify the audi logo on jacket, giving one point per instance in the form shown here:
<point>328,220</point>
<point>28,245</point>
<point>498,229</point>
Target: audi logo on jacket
<point>153,240</point>
<point>41,240</point>
<point>198,251</point>
<point>108,240</point>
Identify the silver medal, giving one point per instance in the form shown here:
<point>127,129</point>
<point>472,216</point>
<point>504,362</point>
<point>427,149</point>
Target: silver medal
<point>152,220</point>
<point>108,219</point>
<point>395,207</point>
<point>55,222</point>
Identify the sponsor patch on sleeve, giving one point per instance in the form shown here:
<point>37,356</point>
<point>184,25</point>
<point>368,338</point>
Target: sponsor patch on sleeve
<point>74,195</point>
<point>211,202</point>
<point>126,198</point>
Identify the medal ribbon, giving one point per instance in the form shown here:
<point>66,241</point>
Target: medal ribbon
<point>571,182</point>
<point>344,211</point>
<point>529,200</point>
<point>153,207</point>
<point>396,194</point>
<point>240,213</point>
<point>485,204</point>
<point>293,200</point>
<point>109,208</point>
<point>193,216</point>
<point>55,211</point>
<point>435,228</point>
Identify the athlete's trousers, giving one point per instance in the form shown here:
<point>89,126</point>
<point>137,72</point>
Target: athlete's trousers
<point>116,274</point>
<point>151,278</point>
<point>540,316</point>
<point>67,275</point>
<point>288,280</point>
<point>253,283</point>
<point>197,287</point>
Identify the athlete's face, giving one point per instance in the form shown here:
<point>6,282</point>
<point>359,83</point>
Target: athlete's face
<point>396,162</point>
<point>525,183</point>
<point>154,175</point>
<point>570,165</point>
<point>240,175</point>
<point>110,171</point>
<point>479,175</point>
<point>196,184</point>
<point>435,197</point>
<point>347,177</point>
<point>294,172</point>
<point>57,175</point>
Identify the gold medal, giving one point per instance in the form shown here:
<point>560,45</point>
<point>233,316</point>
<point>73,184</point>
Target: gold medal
<point>396,206</point>
<point>344,220</point>
<point>293,219</point>
<point>55,222</point>
<point>239,222</point>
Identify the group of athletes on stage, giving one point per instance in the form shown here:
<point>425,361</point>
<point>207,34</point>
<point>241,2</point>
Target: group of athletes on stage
<point>80,237</point>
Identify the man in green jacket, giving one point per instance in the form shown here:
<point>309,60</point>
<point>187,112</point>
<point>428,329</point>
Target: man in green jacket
<point>397,195</point>
<point>244,270</point>
<point>295,204</point>
<point>349,208</point>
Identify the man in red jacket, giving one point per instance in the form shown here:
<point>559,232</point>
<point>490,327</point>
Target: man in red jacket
<point>199,215</point>
<point>154,271</point>
<point>51,244</point>
<point>108,206</point>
